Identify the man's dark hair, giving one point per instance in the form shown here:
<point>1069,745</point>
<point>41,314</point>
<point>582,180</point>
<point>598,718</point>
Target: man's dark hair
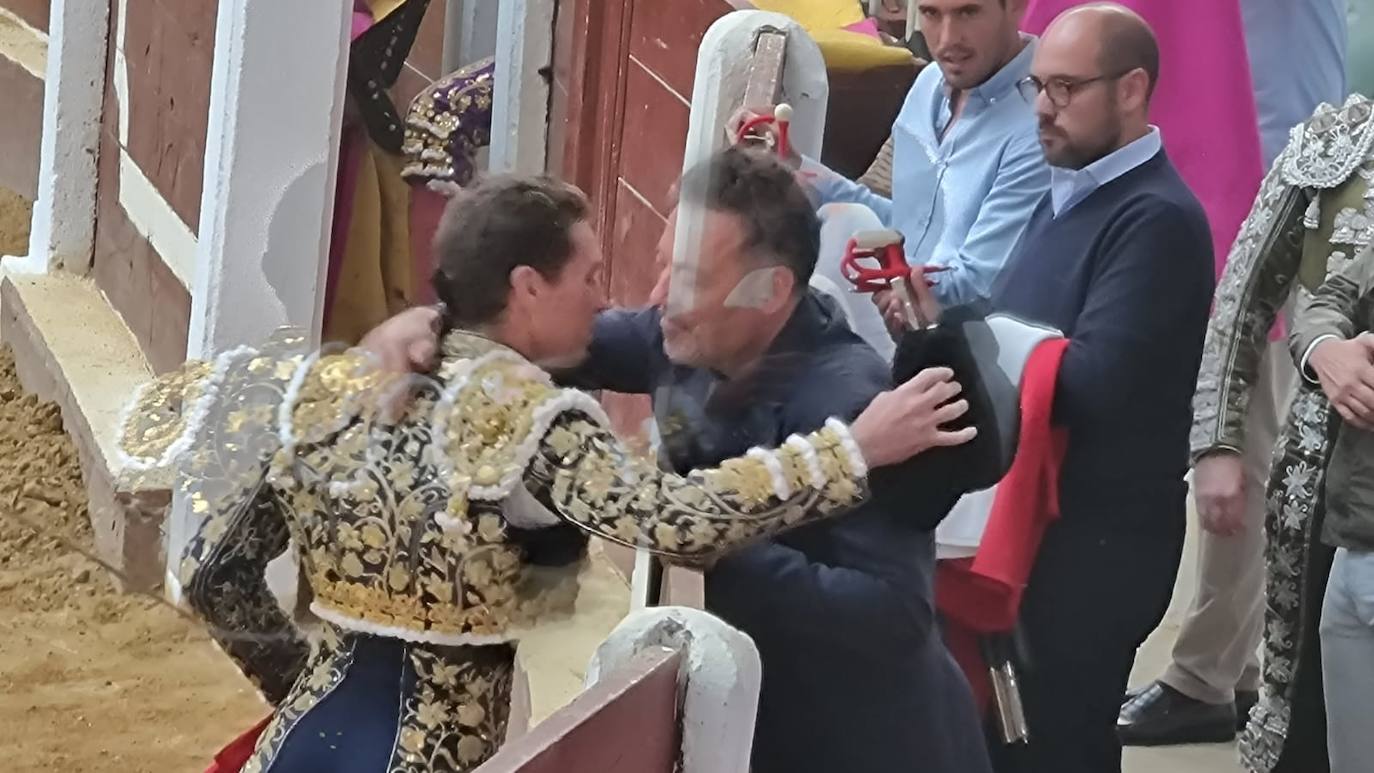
<point>486,232</point>
<point>781,227</point>
<point>1128,43</point>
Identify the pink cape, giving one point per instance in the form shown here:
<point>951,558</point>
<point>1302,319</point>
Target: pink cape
<point>1204,104</point>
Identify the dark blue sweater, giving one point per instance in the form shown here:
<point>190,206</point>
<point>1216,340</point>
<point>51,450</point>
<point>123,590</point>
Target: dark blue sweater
<point>1127,274</point>
<point>855,675</point>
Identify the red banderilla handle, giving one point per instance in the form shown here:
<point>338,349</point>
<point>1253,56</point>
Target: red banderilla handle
<point>781,118</point>
<point>885,249</point>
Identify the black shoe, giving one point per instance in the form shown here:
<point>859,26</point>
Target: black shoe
<point>1245,700</point>
<point>1159,715</point>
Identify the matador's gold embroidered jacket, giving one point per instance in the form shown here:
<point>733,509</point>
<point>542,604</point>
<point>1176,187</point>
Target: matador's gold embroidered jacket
<point>1314,214</point>
<point>416,526</point>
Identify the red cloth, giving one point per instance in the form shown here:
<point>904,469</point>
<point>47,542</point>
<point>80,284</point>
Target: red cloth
<point>983,594</point>
<point>233,757</point>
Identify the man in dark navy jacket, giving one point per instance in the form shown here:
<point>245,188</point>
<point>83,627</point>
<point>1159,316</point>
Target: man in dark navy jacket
<point>1118,256</point>
<point>855,675</point>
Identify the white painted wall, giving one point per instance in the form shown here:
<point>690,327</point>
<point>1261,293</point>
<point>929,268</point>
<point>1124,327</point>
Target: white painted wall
<point>63,230</point>
<point>270,161</point>
<point>520,99</point>
<point>470,32</point>
<point>270,165</point>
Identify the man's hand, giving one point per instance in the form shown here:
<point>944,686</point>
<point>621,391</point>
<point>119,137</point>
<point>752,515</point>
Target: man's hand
<point>905,421</point>
<point>892,309</point>
<point>408,342</point>
<point>766,134</point>
<point>1219,491</point>
<point>1346,372</point>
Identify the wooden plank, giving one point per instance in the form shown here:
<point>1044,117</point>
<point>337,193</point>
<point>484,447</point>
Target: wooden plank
<point>627,723</point>
<point>683,587</point>
<point>764,86</point>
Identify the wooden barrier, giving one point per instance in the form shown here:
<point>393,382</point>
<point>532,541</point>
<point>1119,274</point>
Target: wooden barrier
<point>627,723</point>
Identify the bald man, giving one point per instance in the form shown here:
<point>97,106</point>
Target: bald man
<point>1118,255</point>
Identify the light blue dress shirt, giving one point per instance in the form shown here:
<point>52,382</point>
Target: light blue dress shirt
<point>1070,186</point>
<point>1297,52</point>
<point>961,202</point>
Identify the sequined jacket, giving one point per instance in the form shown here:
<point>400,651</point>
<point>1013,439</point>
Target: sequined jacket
<point>1342,308</point>
<point>425,525</point>
<point>1314,212</point>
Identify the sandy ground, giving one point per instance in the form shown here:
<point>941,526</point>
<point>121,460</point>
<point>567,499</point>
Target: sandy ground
<point>91,679</point>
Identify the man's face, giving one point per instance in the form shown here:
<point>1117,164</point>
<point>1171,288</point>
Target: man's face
<point>1089,125</point>
<point>970,39</point>
<point>723,317</point>
<point>564,309</point>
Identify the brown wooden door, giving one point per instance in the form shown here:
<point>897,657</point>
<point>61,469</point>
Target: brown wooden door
<point>622,84</point>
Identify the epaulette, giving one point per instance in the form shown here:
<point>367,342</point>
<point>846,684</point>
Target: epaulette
<point>1325,150</point>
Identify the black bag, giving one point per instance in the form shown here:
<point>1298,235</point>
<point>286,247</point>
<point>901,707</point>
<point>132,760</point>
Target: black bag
<point>964,342</point>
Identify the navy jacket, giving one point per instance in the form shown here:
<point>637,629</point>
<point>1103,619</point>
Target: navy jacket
<point>1127,274</point>
<point>855,675</point>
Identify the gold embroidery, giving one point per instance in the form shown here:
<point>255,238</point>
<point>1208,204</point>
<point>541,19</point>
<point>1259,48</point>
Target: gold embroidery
<point>455,719</point>
<point>159,418</point>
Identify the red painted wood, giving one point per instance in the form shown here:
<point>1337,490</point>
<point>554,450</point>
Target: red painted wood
<point>628,723</point>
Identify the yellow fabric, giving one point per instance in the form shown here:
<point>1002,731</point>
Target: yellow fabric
<point>846,51</point>
<point>374,275</point>
<point>816,14</point>
<point>383,8</point>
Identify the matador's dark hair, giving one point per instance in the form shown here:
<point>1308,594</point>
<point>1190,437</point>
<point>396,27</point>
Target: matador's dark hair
<point>486,232</point>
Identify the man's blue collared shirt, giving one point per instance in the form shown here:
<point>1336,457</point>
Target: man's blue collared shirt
<point>964,200</point>
<point>1070,186</point>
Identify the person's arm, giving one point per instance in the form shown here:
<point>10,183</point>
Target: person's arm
<point>583,474</point>
<point>217,426</point>
<point>971,267</point>
<point>831,187</point>
<point>223,574</point>
<point>1144,308</point>
<point>1261,269</point>
<point>1331,314</point>
<point>625,354</point>
<point>1332,345</point>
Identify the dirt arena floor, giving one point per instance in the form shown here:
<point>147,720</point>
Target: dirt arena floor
<point>91,680</point>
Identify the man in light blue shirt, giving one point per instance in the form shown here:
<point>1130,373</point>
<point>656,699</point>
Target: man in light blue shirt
<point>967,169</point>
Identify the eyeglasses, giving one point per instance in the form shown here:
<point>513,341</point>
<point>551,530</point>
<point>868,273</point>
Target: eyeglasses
<point>1059,90</point>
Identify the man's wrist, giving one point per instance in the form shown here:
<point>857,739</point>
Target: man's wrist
<point>1216,450</point>
<point>1305,362</point>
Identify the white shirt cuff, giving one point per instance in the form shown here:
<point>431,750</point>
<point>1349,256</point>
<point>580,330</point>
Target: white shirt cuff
<point>1307,355</point>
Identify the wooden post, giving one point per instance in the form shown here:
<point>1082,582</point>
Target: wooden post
<point>63,229</point>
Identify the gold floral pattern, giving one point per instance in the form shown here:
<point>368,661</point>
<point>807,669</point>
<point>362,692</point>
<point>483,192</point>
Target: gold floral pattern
<point>401,526</point>
<point>161,414</point>
<point>585,474</point>
<point>455,717</point>
<point>447,123</point>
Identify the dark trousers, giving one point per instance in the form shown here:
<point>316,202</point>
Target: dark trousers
<point>1091,601</point>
